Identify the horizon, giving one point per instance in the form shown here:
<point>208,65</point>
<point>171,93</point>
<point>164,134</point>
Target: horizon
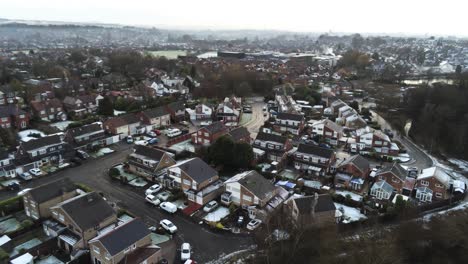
<point>343,18</point>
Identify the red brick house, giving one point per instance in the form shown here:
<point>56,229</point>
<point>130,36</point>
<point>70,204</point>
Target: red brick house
<point>49,110</point>
<point>240,134</point>
<point>13,116</point>
<point>395,175</point>
<point>432,184</point>
<point>207,135</point>
<point>352,172</point>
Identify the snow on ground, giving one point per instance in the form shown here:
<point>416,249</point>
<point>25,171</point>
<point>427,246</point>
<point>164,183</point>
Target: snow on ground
<point>117,112</point>
<point>351,214</point>
<point>217,214</point>
<point>354,196</point>
<point>49,260</point>
<point>461,164</point>
<point>404,157</point>
<point>24,135</point>
<point>62,126</point>
<point>462,206</point>
<point>184,145</point>
<point>138,182</point>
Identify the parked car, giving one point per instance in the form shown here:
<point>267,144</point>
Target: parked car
<point>82,154</point>
<point>153,141</point>
<point>129,139</point>
<point>35,172</point>
<point>141,142</point>
<point>24,191</point>
<point>205,123</point>
<point>210,206</point>
<point>152,134</point>
<point>13,186</point>
<point>157,131</point>
<point>168,207</point>
<point>168,225</point>
<point>253,224</point>
<point>152,199</point>
<point>26,176</point>
<point>185,251</point>
<point>184,123</point>
<point>153,189</point>
<point>240,220</point>
<point>164,196</point>
<point>173,132</point>
<point>324,145</point>
<point>63,165</point>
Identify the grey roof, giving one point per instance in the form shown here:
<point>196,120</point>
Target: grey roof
<point>155,112</point>
<point>271,137</point>
<point>78,131</point>
<point>87,210</point>
<point>41,142</point>
<point>239,133</point>
<point>10,110</point>
<point>123,236</point>
<point>315,150</point>
<point>358,161</point>
<point>383,185</point>
<point>289,116</point>
<point>52,190</point>
<point>176,106</point>
<point>130,119</point>
<point>324,204</point>
<point>396,169</point>
<point>215,127</point>
<point>153,153</point>
<point>197,169</point>
<point>257,184</point>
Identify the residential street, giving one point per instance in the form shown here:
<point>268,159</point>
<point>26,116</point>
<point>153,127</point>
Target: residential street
<point>206,244</point>
<point>257,116</point>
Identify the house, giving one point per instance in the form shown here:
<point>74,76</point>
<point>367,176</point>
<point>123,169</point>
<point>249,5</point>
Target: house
<point>352,172</point>
<point>38,201</point>
<point>196,179</point>
<point>129,242</point>
<point>12,116</point>
<point>83,216</point>
<point>328,130</point>
<point>252,191</point>
<point>208,134</point>
<point>49,110</point>
<point>38,152</point>
<point>7,168</point>
<point>133,123</point>
<point>240,134</point>
<point>381,190</point>
<point>201,112</point>
<point>83,104</point>
<point>176,110</point>
<point>227,113</point>
<point>377,141</point>
<point>8,95</point>
<point>311,211</point>
<point>147,162</point>
<point>432,184</point>
<point>394,174</point>
<point>124,125</point>
<point>287,122</point>
<point>86,137</point>
<point>314,160</point>
<point>155,117</point>
<point>271,147</point>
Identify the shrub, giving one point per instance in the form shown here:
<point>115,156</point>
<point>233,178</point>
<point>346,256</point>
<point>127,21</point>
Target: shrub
<point>114,173</point>
<point>232,208</point>
<point>26,224</point>
<point>4,256</point>
<point>11,205</point>
<point>83,187</point>
<point>219,226</point>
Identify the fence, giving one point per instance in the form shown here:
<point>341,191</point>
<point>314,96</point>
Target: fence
<point>179,139</point>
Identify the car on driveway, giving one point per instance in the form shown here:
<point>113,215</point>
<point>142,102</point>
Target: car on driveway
<point>153,141</point>
<point>129,139</point>
<point>26,176</point>
<point>253,224</point>
<point>164,196</point>
<point>152,199</point>
<point>141,142</point>
<point>82,154</point>
<point>210,206</point>
<point>240,220</point>
<point>185,251</point>
<point>35,172</point>
<point>168,226</point>
<point>152,134</point>
<point>184,123</point>
<point>168,207</point>
<point>153,189</point>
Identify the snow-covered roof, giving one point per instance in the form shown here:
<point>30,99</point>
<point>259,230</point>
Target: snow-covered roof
<point>440,174</point>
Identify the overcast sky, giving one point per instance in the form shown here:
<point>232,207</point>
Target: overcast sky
<point>442,17</point>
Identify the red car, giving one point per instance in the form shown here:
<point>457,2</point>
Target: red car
<point>158,132</point>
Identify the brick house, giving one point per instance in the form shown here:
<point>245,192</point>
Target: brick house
<point>48,110</point>
<point>288,122</point>
<point>432,184</point>
<point>7,168</point>
<point>82,104</point>
<point>12,116</point>
<point>208,134</point>
<point>82,216</point>
<point>147,162</point>
<point>155,117</point>
<point>176,110</point>
<point>227,113</point>
<point>196,179</point>
<point>123,125</point>
<point>314,160</point>
<point>328,130</point>
<point>311,211</point>
<point>128,242</point>
<point>352,172</point>
<point>376,141</point>
<point>394,174</point>
<point>86,137</point>
<point>271,147</point>
<point>239,134</point>
<point>201,112</point>
<point>38,201</point>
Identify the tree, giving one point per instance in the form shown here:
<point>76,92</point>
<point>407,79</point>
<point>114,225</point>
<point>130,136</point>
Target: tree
<point>106,107</point>
<point>354,105</point>
<point>242,155</point>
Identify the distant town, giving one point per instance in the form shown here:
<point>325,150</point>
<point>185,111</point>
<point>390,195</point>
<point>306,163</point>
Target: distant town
<point>122,144</point>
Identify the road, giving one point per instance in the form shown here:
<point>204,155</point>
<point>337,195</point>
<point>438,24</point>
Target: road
<point>257,116</point>
<point>207,245</point>
<point>419,158</point>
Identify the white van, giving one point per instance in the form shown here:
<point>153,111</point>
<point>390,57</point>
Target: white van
<point>168,207</point>
<point>173,132</point>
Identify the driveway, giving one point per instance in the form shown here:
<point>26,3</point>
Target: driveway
<point>207,245</point>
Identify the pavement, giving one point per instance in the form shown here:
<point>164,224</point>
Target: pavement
<point>207,245</point>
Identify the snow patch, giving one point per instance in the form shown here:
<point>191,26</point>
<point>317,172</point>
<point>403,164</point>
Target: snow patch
<point>350,214</point>
<point>354,196</point>
<point>217,215</point>
<point>25,134</point>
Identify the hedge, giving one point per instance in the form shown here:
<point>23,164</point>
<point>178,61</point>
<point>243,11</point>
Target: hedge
<point>11,205</point>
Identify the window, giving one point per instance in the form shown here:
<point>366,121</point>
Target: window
<point>207,134</point>
<point>438,195</point>
<point>395,180</point>
<point>4,119</point>
<point>438,185</point>
<point>247,198</point>
<point>42,151</point>
<point>187,182</point>
<point>96,250</point>
<point>424,183</point>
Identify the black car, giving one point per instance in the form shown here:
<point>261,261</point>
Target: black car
<point>13,186</point>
